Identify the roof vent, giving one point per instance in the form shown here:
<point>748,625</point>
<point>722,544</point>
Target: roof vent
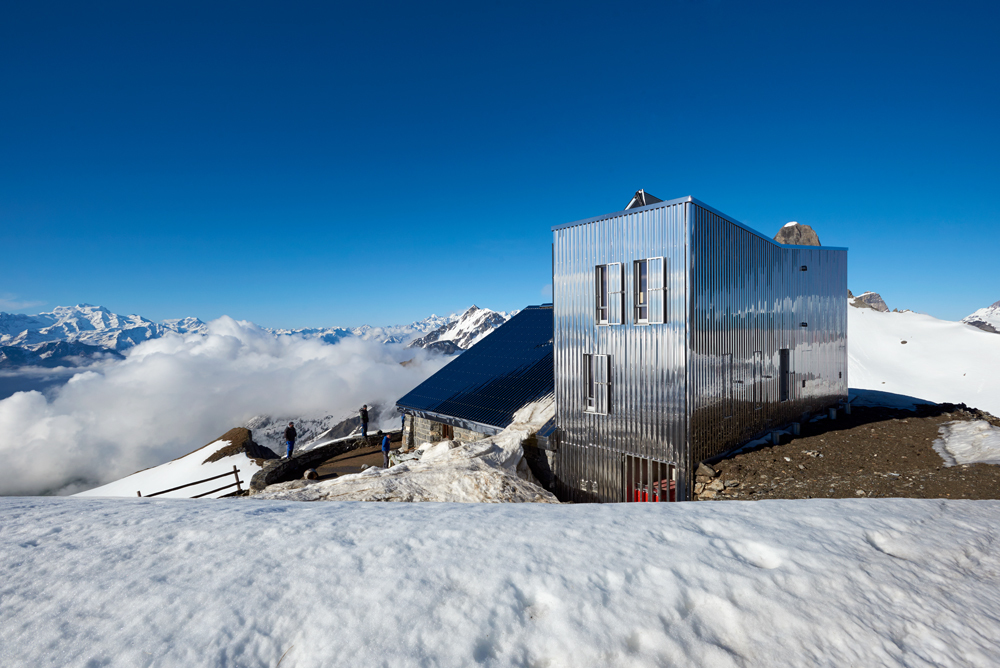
<point>642,198</point>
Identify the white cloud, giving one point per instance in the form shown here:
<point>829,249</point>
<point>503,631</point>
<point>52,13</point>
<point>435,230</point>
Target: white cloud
<point>547,291</point>
<point>174,394</point>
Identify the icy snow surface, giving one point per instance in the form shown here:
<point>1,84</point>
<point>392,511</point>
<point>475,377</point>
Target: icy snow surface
<point>976,442</point>
<point>941,361</point>
<point>182,471</point>
<point>894,582</point>
<point>491,470</point>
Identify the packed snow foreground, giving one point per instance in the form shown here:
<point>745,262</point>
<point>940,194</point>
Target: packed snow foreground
<point>136,582</point>
<point>491,470</point>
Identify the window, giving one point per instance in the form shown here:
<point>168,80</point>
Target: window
<point>641,284</point>
<point>726,379</point>
<point>608,293</point>
<point>649,283</point>
<point>597,381</point>
<point>759,380</point>
<point>784,373</point>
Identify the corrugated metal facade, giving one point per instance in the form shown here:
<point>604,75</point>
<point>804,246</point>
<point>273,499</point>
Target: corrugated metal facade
<point>709,376</point>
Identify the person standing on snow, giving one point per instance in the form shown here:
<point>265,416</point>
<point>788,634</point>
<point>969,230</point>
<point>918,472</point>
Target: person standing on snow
<point>385,450</point>
<point>364,422</point>
<point>290,439</point>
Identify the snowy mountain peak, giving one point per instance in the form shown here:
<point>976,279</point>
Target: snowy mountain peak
<point>986,319</point>
<point>466,330</point>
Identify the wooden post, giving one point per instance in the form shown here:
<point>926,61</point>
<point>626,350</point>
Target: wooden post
<point>237,474</point>
<point>138,493</point>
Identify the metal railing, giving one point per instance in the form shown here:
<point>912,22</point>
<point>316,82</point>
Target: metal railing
<point>235,473</point>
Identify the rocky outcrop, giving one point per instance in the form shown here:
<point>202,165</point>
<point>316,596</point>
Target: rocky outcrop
<point>240,440</point>
<point>872,300</point>
<point>444,347</point>
<point>794,234</point>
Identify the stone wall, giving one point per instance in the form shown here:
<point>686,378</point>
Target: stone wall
<point>421,430</point>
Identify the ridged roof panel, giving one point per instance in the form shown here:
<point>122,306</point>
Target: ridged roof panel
<point>492,380</point>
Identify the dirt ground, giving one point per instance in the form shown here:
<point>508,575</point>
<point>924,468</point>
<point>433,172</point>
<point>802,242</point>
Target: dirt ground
<point>874,452</point>
<point>353,461</point>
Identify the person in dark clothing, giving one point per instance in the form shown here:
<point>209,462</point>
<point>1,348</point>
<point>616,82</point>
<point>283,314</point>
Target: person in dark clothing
<point>385,450</point>
<point>290,438</point>
<point>364,422</point>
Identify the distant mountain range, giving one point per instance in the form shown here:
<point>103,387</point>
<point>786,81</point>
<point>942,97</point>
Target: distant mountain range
<point>74,336</point>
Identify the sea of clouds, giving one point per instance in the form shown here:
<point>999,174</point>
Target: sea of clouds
<point>172,395</point>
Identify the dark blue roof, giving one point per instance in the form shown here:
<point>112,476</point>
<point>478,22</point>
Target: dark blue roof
<point>488,383</point>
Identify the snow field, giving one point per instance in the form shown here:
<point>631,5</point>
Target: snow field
<point>137,582</point>
<point>941,361</point>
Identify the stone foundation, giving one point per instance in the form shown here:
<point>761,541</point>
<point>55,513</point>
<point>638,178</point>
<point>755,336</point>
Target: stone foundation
<point>421,430</point>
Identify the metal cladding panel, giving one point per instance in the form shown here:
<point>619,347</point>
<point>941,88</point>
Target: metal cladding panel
<point>647,415</point>
<point>750,299</point>
<point>489,382</point>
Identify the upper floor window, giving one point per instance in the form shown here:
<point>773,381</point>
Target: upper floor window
<point>608,294</point>
<point>649,283</point>
<point>642,290</point>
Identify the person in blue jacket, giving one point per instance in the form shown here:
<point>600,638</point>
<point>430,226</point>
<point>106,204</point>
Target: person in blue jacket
<point>385,449</point>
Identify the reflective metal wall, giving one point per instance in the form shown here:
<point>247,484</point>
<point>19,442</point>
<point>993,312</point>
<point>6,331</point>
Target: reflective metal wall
<point>713,374</point>
<point>751,298</point>
<point>648,390</point>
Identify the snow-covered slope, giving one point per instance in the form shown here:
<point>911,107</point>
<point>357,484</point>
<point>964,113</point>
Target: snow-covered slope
<point>182,471</point>
<point>920,356</point>
<point>467,330</point>
<point>987,319</point>
<point>769,584</point>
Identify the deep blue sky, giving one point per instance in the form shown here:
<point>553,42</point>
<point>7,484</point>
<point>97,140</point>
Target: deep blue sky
<point>308,164</point>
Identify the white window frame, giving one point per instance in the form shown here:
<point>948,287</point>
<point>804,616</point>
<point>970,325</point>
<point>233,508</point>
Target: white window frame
<point>654,298</point>
<point>656,290</point>
<point>640,298</point>
<point>615,295</point>
<point>597,384</point>
<point>602,294</point>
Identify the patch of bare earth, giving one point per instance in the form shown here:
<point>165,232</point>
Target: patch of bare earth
<point>872,453</point>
